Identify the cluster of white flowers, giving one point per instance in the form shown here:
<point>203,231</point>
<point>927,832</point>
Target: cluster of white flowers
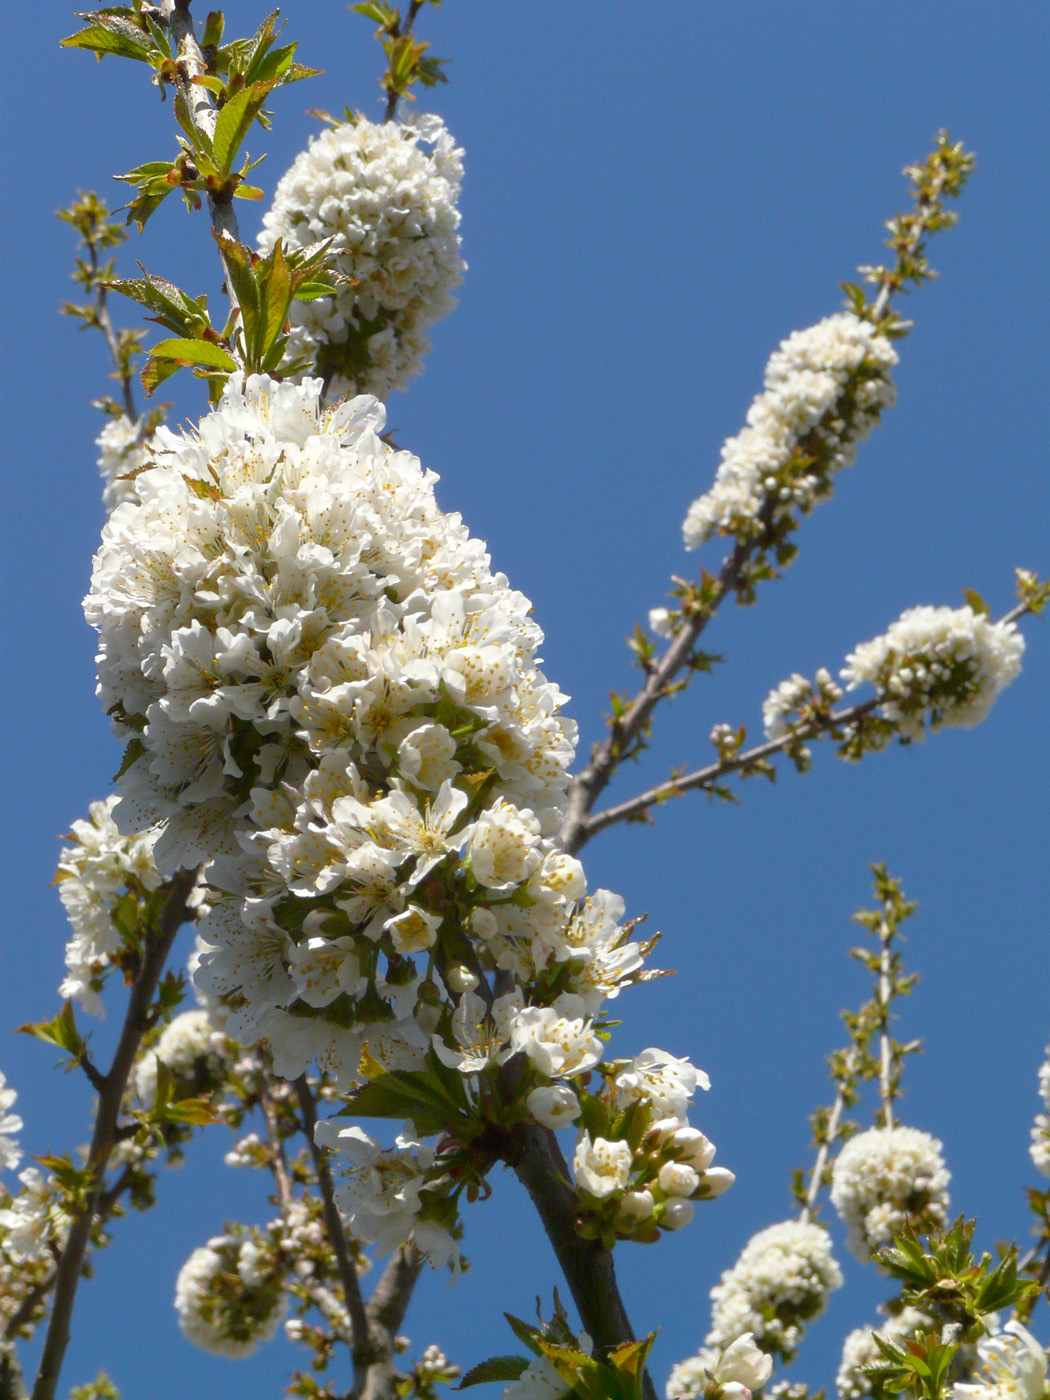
<point>1011,1365</point>
<point>98,875</point>
<point>886,1179</point>
<point>649,1184</point>
<point>389,207</point>
<point>10,1123</point>
<point>35,1220</point>
<point>737,1370</point>
<point>229,1295</point>
<point>860,1351</point>
<point>783,704</point>
<point>382,1192</point>
<point>1040,1148</point>
<point>191,1048</point>
<point>780,1282</point>
<point>825,388</point>
<point>332,699</point>
<point>941,665</point>
<point>123,451</point>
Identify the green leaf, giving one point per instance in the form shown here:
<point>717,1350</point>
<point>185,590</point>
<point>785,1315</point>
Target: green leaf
<point>496,1368</point>
<point>132,754</point>
<point>381,14</point>
<point>231,127</point>
<point>195,352</point>
<point>62,1031</point>
<point>976,602</point>
<point>529,1336</point>
<point>403,1094</point>
<point>276,298</point>
<point>112,33</point>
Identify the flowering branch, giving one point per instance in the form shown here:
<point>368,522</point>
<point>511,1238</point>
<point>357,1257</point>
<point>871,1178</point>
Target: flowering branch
<point>826,1130</point>
<point>588,1267</point>
<point>138,1018</point>
<point>795,471</point>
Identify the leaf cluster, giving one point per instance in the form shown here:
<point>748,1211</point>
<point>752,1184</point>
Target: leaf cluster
<point>238,78</point>
<point>407,60</point>
<point>620,1376</point>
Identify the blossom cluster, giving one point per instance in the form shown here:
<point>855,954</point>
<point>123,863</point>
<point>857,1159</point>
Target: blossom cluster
<point>10,1123</point>
<point>638,1164</point>
<point>780,1282</point>
<point>825,388</point>
<point>388,205</point>
<point>330,698</point>
<point>860,1351</point>
<point>735,1370</point>
<point>1040,1148</point>
<point>888,1179</point>
<point>102,878</point>
<point>193,1051</point>
<point>123,452</point>
<point>798,699</point>
<point>229,1294</point>
<point>938,666</point>
<point>34,1221</point>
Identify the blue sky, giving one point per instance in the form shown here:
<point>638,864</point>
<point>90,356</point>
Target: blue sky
<point>655,196</point>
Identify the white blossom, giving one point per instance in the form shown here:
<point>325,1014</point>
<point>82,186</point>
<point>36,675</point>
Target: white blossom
<point>825,388</point>
<point>229,1296</point>
<point>601,1167</point>
<point>123,450</point>
<point>938,666</point>
<point>781,1281</point>
<point>10,1123</point>
<point>737,1370</point>
<point>389,206</point>
<point>886,1179</point>
<point>1040,1148</point>
<point>1011,1365</point>
<point>662,1080</point>
<point>190,1047</point>
<point>34,1219</point>
<point>554,1106</point>
<point>94,874</point>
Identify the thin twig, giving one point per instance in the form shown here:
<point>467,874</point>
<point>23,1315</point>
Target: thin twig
<point>157,946</point>
<point>401,31</point>
<point>831,1129</point>
<point>355,1307</point>
<point>105,325</point>
<point>885,996</point>
<point>278,1159</point>
<point>701,778</point>
<point>386,1311</point>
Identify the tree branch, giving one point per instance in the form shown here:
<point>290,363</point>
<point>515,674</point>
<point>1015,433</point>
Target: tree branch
<point>701,778</point>
<point>361,1349</point>
<point>156,947</point>
<point>386,1311</point>
<point>539,1165</point>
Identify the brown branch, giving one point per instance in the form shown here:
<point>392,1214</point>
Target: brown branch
<point>355,1307</point>
<point>156,947</point>
<point>386,1311</point>
<point>627,730</point>
<point>278,1160</point>
<point>539,1165</point>
<point>701,778</point>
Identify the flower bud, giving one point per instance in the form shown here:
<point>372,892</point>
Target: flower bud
<point>714,1182</point>
<point>678,1179</point>
<point>636,1206</point>
<point>677,1213</point>
<point>461,979</point>
<point>690,1145</point>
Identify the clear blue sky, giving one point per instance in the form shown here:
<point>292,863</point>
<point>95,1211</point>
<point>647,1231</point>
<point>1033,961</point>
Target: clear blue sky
<point>655,196</point>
